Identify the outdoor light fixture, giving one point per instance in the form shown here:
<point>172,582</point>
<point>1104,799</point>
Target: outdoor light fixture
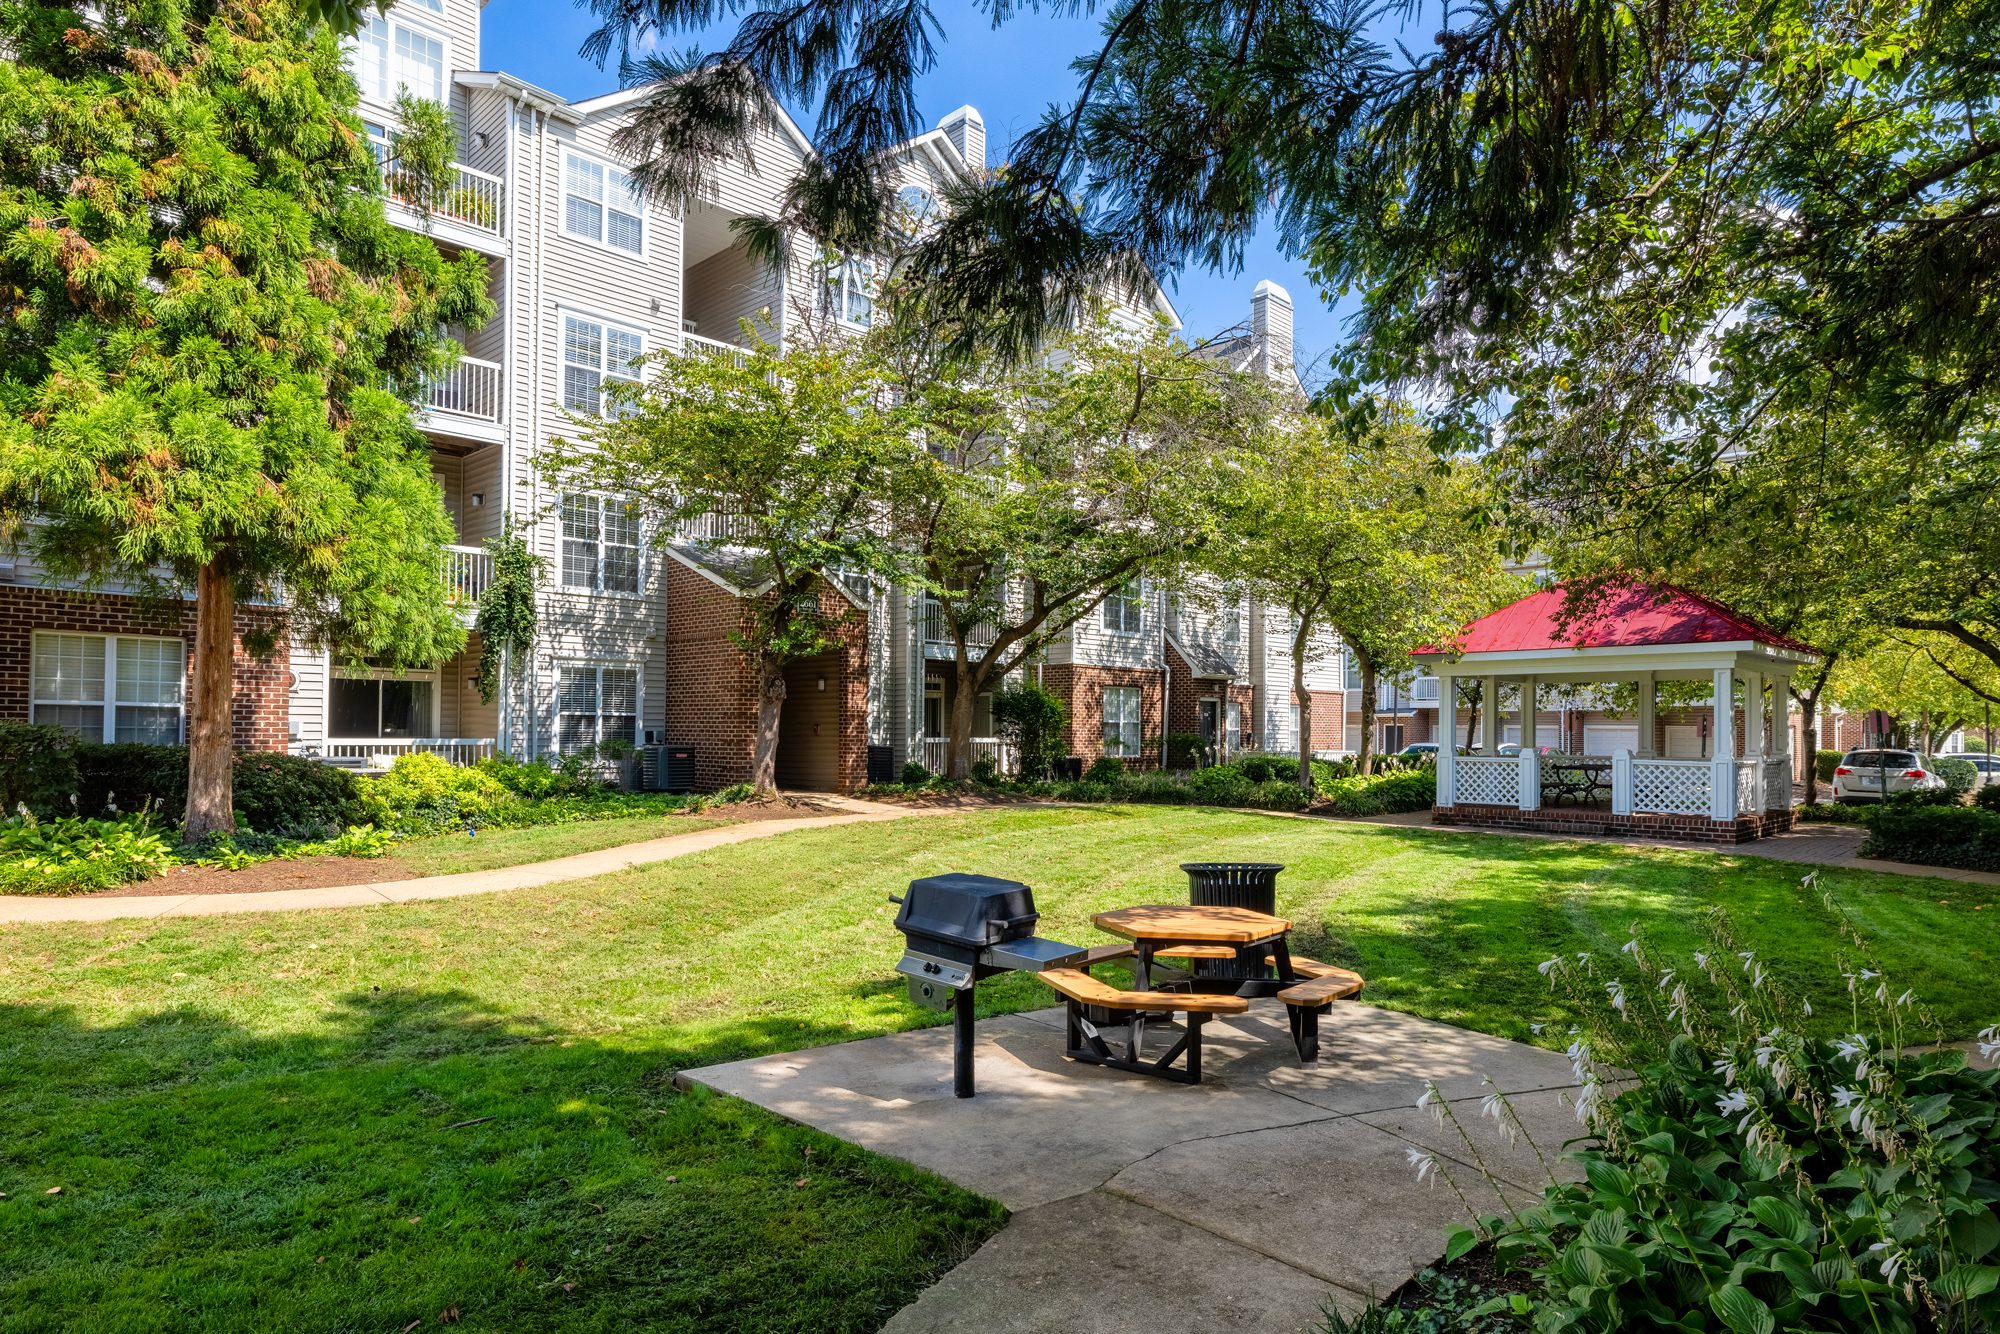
<point>822,683</point>
<point>478,498</point>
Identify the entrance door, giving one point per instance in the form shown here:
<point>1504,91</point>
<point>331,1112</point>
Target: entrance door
<point>1206,721</point>
<point>809,725</point>
<point>1392,738</point>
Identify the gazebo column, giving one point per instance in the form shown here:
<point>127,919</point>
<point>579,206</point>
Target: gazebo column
<point>1447,768</point>
<point>1489,715</point>
<point>1781,743</point>
<point>1722,766</point>
<point>1530,758</point>
<point>1649,690</point>
<point>1753,737</point>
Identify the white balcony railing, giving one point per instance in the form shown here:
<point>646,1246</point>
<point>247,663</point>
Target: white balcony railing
<point>937,630</point>
<point>469,389</point>
<point>368,753</point>
<point>1422,693</point>
<point>470,198</point>
<point>695,345</point>
<point>983,748</point>
<point>467,572</point>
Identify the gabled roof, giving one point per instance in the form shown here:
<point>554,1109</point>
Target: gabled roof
<point>1205,662</point>
<point>1634,616</point>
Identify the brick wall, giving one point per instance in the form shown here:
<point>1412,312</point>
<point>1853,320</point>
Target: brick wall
<point>1082,689</point>
<point>1184,698</point>
<point>1583,823</point>
<point>260,710</point>
<point>711,687</point>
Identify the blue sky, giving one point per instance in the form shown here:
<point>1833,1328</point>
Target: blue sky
<point>1010,74</point>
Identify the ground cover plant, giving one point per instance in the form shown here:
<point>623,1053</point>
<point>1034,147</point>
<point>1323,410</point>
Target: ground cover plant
<point>224,1101</point>
<point>1255,782</point>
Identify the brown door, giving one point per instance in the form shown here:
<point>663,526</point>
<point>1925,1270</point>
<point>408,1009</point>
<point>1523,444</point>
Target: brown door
<point>809,727</point>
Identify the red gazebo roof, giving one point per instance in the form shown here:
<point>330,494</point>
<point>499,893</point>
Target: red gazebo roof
<point>1636,616</point>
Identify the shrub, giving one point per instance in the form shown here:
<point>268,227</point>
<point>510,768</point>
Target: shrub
<point>1181,748</point>
<point>915,775</point>
<point>986,771</point>
<point>1264,768</point>
<point>1826,812</point>
<point>1033,721</point>
<point>132,775</point>
<point>1959,775</point>
<point>736,792</point>
<point>1381,794</point>
<point>273,792</point>
<point>550,776</point>
<point>67,855</point>
<point>1905,830</point>
<point>1825,762</point>
<point>423,794</point>
<point>38,768</point>
<point>1988,797</point>
<point>1105,769</point>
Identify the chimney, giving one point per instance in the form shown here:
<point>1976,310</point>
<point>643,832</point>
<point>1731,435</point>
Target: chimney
<point>967,133</point>
<point>1271,327</point>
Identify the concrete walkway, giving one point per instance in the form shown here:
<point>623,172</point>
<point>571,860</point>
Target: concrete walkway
<point>29,908</point>
<point>1834,845</point>
<point>1241,1203</point>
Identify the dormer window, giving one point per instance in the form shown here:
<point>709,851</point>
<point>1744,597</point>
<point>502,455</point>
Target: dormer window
<point>388,55</point>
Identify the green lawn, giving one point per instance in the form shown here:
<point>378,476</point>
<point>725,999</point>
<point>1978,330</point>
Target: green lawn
<point>448,854</point>
<point>227,1100</point>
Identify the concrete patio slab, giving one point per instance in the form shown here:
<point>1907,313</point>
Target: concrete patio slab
<point>1097,1264</point>
<point>1149,1187</point>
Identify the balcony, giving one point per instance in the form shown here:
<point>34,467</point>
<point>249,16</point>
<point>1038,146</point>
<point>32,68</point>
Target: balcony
<point>938,642</point>
<point>1421,694</point>
<point>693,345</point>
<point>467,573</point>
<point>466,401</point>
<point>468,211</point>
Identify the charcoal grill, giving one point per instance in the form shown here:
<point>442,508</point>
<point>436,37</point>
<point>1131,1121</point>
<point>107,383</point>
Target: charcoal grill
<point>959,928</point>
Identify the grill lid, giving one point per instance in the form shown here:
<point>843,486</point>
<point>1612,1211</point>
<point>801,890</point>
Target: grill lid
<point>970,909</point>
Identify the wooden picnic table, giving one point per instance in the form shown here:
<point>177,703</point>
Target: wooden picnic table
<point>1177,928</point>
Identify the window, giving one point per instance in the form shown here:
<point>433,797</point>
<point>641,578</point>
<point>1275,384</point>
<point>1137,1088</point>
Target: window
<point>387,55</point>
<point>933,707</point>
<point>1122,608</point>
<point>1121,720</point>
<point>600,544</point>
<point>1232,625</point>
<point>373,707</point>
<point>595,705</point>
<point>850,291</point>
<point>146,675</point>
<point>602,204</point>
<point>1392,738</point>
<point>592,354</point>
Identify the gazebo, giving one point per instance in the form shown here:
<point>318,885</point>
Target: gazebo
<point>1644,635</point>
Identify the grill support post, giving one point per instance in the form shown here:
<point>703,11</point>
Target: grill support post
<point>962,1014</point>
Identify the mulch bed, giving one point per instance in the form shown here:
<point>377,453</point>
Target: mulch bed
<point>305,873</point>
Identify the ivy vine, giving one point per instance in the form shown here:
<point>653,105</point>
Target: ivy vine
<point>506,622</point>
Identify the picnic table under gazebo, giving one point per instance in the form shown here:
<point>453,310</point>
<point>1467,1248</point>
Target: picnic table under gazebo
<point>1644,635</point>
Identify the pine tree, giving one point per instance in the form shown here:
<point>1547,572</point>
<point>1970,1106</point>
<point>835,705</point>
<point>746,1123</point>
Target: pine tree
<point>212,337</point>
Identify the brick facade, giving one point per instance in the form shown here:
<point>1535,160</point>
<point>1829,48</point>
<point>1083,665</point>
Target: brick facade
<point>260,709</point>
<point>1082,688</point>
<point>1584,823</point>
<point>710,699</point>
<point>1185,693</point>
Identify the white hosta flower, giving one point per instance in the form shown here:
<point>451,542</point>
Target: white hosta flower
<point>1579,1061</point>
<point>1727,1069</point>
<point>1700,959</point>
<point>1425,1163</point>
<point>1536,1028</point>
<point>1666,979</point>
<point>1748,956</point>
<point>1989,1041</point>
<point>1432,1101</point>
<point>1740,1010</point>
<point>1587,1099</point>
<point>1891,1259</point>
<point>1808,1006</point>
<point>1616,991</point>
<point>1757,976</point>
<point>1737,1101</point>
<point>1882,994</point>
<point>1903,1000</point>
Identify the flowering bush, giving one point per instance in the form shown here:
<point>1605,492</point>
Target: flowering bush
<point>1754,1178</point>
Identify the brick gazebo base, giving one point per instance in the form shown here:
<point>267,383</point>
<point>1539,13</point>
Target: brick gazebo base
<point>1583,822</point>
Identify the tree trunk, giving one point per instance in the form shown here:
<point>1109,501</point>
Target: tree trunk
<point>965,694</point>
<point>770,707</point>
<point>211,797</point>
<point>1364,763</point>
<point>1809,742</point>
<point>1472,715</point>
<point>1304,700</point>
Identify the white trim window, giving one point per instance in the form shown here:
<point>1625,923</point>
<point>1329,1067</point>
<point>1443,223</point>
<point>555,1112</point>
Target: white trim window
<point>1124,608</point>
<point>387,55</point>
<point>147,674</point>
<point>367,705</point>
<point>850,290</point>
<point>602,205</point>
<point>596,704</point>
<point>1121,720</point>
<point>594,352</point>
<point>600,544</point>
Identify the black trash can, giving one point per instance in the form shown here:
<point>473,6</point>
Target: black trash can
<point>1252,885</point>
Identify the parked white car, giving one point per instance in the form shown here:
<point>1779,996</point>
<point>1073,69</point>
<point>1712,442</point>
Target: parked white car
<point>1861,773</point>
<point>1988,766</point>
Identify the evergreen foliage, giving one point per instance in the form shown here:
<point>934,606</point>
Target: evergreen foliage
<point>212,338</point>
<point>506,620</point>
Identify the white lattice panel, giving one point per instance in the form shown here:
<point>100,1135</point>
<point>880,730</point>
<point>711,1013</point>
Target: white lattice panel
<point>1778,784</point>
<point>1668,787</point>
<point>1746,787</point>
<point>1488,782</point>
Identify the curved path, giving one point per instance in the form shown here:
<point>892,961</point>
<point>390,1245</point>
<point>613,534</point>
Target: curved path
<point>30,908</point>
